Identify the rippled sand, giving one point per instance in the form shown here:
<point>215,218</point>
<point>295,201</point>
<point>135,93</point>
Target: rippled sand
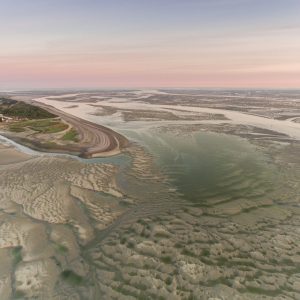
<point>127,229</point>
<point>68,232</point>
<point>44,203</point>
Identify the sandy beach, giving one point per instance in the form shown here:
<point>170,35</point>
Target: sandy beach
<point>9,155</point>
<point>197,206</point>
<point>85,111</point>
<point>92,140</point>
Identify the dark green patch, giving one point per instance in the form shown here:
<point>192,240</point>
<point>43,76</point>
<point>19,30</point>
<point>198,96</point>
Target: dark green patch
<point>40,126</point>
<point>188,252</point>
<point>168,281</point>
<point>71,135</point>
<point>205,252</point>
<point>71,277</point>
<point>62,248</point>
<point>131,245</point>
<point>166,259</point>
<point>123,240</point>
<point>17,254</point>
<point>13,108</point>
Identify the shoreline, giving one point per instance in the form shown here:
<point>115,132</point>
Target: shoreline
<point>286,127</point>
<point>94,140</point>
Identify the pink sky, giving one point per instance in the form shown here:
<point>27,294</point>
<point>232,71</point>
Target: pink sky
<point>225,44</point>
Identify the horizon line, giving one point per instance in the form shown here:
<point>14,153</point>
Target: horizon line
<point>143,88</point>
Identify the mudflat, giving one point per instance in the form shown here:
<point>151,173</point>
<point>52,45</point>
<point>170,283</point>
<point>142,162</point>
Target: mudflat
<point>197,206</point>
<point>9,155</point>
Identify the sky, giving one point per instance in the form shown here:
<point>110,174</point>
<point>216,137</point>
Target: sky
<point>149,43</point>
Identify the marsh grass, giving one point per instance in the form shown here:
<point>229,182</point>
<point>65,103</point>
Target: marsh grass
<point>40,126</point>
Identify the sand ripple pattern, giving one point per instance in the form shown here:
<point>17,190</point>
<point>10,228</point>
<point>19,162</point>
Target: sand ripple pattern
<point>38,199</point>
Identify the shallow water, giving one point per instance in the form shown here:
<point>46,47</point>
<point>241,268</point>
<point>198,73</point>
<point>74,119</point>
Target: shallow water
<point>201,216</point>
<point>206,167</point>
<point>227,238</point>
<point>118,159</point>
<point>161,236</point>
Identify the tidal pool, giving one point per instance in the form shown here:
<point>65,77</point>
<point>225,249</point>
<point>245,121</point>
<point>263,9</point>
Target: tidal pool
<point>207,167</point>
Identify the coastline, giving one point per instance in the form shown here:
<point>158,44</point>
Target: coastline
<point>94,140</point>
<point>285,127</point>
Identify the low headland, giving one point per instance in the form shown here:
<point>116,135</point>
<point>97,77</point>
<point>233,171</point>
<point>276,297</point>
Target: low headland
<point>46,129</point>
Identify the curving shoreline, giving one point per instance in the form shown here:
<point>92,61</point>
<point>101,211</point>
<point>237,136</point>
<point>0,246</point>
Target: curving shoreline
<point>94,140</point>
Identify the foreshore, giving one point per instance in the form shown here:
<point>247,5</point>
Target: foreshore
<point>93,140</point>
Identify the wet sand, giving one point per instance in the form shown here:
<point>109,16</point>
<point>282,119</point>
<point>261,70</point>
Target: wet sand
<point>84,111</point>
<point>93,140</point>
<point>42,220</point>
<point>124,231</point>
<point>9,155</point>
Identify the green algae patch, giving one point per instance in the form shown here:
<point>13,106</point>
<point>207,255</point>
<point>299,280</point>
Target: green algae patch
<point>71,277</point>
<point>71,135</point>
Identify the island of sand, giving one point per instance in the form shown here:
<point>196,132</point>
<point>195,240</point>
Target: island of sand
<point>44,128</point>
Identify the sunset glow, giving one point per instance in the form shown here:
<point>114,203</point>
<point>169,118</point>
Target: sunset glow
<point>139,43</point>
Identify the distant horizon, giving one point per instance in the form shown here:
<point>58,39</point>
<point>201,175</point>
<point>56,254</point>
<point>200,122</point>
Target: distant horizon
<point>146,88</point>
<point>171,43</point>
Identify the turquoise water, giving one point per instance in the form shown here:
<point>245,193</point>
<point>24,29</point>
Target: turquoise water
<point>207,168</point>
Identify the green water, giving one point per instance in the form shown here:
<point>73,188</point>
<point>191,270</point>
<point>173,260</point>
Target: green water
<point>207,168</point>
